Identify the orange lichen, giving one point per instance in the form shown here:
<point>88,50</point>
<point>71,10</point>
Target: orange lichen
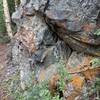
<point>90,74</point>
<point>81,72</point>
<point>77,82</point>
<point>52,83</point>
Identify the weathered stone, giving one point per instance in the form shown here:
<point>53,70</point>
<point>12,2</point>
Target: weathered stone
<point>39,5</point>
<point>81,63</point>
<point>52,53</point>
<point>75,22</point>
<point>44,26</point>
<point>73,88</point>
<point>78,62</point>
<point>20,59</point>
<point>46,58</point>
<point>26,36</point>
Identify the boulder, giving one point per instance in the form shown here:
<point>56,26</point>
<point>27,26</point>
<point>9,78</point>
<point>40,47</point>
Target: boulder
<point>76,23</point>
<point>54,30</point>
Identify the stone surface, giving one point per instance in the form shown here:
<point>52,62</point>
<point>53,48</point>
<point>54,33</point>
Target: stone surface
<point>44,60</point>
<point>75,22</point>
<point>49,30</point>
<point>73,88</point>
<point>20,60</point>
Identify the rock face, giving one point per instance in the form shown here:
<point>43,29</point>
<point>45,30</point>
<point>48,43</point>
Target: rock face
<point>76,23</point>
<point>49,30</point>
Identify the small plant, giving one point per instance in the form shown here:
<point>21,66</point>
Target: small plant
<point>64,75</point>
<point>40,91</point>
<point>96,88</point>
<point>95,62</point>
<point>96,85</point>
<point>97,32</point>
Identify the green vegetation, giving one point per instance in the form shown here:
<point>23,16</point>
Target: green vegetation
<point>97,32</point>
<point>95,62</point>
<point>96,85</point>
<point>2,23</point>
<point>95,88</point>
<point>11,6</point>
<point>3,35</point>
<point>39,91</point>
<point>4,38</point>
<point>64,76</point>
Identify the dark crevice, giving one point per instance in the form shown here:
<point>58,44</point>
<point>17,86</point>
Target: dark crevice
<point>46,6</point>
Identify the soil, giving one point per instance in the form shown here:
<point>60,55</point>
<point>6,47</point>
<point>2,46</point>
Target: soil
<point>4,71</point>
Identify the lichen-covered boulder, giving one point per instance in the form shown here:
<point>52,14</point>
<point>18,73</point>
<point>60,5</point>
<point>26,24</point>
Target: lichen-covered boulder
<point>76,22</point>
<point>54,30</point>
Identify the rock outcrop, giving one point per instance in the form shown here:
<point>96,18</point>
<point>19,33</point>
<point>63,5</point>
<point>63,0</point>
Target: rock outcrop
<point>49,30</point>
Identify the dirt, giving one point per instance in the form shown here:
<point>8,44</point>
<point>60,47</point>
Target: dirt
<point>4,69</point>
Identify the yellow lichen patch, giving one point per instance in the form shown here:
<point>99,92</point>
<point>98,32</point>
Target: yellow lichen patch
<point>76,85</point>
<point>80,68</point>
<point>77,82</point>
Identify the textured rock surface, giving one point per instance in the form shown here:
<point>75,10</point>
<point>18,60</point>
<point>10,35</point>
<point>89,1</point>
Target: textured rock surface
<point>76,22</point>
<point>20,59</point>
<point>49,30</point>
<point>42,45</point>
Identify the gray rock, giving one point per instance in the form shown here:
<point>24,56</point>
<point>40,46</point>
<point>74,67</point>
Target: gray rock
<point>47,56</point>
<point>20,59</point>
<point>75,22</point>
<point>39,5</point>
<point>54,30</point>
